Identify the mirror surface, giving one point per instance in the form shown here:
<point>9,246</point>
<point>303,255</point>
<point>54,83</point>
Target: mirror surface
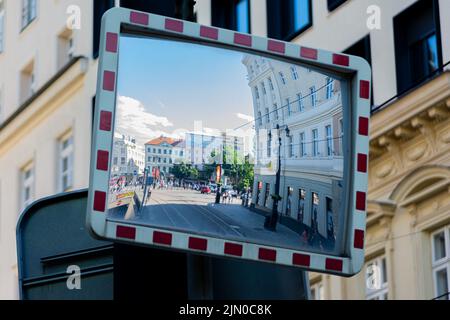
<point>228,144</point>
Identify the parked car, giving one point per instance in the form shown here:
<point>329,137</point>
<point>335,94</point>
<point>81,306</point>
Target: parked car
<point>205,189</point>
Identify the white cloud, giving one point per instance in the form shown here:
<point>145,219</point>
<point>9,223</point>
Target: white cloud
<point>132,119</point>
<point>130,108</point>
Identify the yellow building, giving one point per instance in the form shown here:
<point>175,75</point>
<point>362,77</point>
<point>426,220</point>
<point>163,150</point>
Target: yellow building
<point>408,218</point>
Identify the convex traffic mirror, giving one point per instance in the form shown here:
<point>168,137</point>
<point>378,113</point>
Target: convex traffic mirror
<point>227,144</point>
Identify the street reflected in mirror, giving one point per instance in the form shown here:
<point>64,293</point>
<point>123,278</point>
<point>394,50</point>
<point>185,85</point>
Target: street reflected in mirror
<point>227,144</point>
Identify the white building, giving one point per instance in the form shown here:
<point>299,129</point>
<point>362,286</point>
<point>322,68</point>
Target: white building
<point>128,158</point>
<point>309,104</point>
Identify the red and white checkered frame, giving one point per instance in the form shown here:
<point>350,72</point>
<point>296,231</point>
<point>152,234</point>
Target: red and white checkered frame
<point>97,221</point>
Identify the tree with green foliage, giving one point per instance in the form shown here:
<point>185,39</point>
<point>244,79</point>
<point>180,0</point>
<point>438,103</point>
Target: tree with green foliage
<point>183,171</point>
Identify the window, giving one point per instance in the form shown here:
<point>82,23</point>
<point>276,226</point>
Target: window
<point>233,15</point>
<point>164,8</point>
<point>27,82</point>
<point>440,242</point>
<point>269,146</point>
<point>159,151</point>
<point>2,25</point>
<point>270,84</point>
<point>283,80</point>
<point>313,94</point>
<point>122,160</point>
<point>288,105</point>
<point>330,223</point>
<point>290,190</point>
<point>27,189</point>
<point>302,145</point>
<point>315,212</point>
<point>260,118</point>
<point>300,102</point>
<point>301,204</point>
<point>376,279</point>
<point>315,144</point>
<point>288,18</point>
<point>362,49</point>
<point>257,65</point>
<point>418,50</point>
<point>256,93</point>
<point>263,86</point>
<point>341,135</point>
<point>65,163</point>
<point>275,111</point>
<point>333,4</point>
<point>330,83</point>
<point>317,292</point>
<point>291,146</point>
<point>100,7</point>
<point>424,55</point>
<point>165,151</point>
<point>329,136</point>
<point>267,115</point>
<point>294,73</point>
<point>28,12</point>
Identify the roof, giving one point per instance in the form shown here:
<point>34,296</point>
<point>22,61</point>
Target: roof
<point>160,140</point>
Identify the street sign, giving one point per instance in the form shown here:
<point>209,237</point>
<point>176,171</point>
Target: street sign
<point>289,121</point>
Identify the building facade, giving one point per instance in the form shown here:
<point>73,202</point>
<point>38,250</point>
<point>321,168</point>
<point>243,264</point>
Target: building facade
<point>408,215</point>
<point>128,158</point>
<point>308,106</point>
<point>47,88</point>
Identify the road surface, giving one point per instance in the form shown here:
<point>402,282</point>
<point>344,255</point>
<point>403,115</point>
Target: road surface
<point>193,212</point>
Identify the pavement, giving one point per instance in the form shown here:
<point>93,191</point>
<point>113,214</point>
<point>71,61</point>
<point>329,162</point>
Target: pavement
<point>193,212</point>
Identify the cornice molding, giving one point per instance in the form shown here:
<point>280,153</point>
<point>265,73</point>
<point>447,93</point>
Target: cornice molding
<point>415,114</point>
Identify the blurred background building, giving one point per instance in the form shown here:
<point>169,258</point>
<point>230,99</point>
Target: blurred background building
<point>308,106</point>
<point>159,153</point>
<point>128,158</point>
<point>47,90</point>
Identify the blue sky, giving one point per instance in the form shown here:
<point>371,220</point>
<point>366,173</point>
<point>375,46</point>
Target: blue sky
<point>168,85</point>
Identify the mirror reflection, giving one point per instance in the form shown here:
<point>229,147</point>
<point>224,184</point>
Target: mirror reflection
<point>227,144</point>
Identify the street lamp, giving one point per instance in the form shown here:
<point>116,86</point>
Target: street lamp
<point>272,219</point>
